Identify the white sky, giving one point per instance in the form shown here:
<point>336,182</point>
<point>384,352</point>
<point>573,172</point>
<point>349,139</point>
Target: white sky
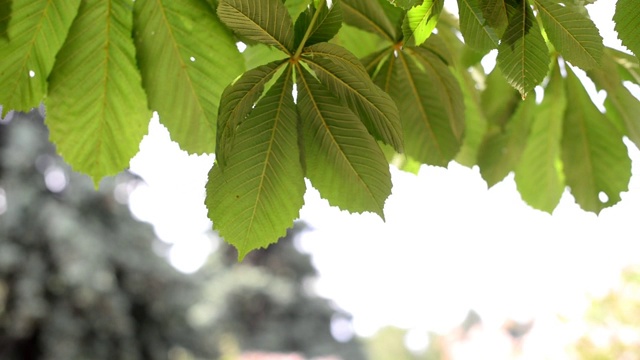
<point>448,245</point>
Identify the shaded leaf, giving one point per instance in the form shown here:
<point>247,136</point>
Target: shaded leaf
<point>627,19</point>
<point>574,35</point>
<point>169,39</point>
<point>349,82</point>
<point>343,161</point>
<point>431,106</point>
<point>96,108</point>
<point>498,100</point>
<point>266,21</point>
<point>421,20</point>
<point>473,26</point>
<point>502,148</point>
<point>238,100</point>
<point>326,26</point>
<point>260,192</point>
<point>523,55</point>
<point>359,42</point>
<point>539,176</point>
<point>496,13</point>
<point>475,120</point>
<point>36,32</point>
<point>368,15</point>
<point>596,162</point>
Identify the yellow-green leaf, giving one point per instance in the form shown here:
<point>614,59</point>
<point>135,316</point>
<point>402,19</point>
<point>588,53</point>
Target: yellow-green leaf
<point>96,108</point>
<point>182,74</point>
<point>539,174</point>
<point>596,163</point>
<point>29,42</point>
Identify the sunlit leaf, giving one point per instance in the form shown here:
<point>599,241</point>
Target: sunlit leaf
<point>627,19</point>
<point>345,80</point>
<point>502,148</point>
<point>405,4</point>
<point>169,46</point>
<point>36,32</point>
<point>96,108</point>
<point>523,55</point>
<point>473,26</point>
<point>326,26</point>
<point>342,160</point>
<point>265,21</point>
<point>260,192</point>
<point>596,163</point>
<point>370,16</point>
<point>574,35</point>
<point>539,174</point>
<point>421,20</point>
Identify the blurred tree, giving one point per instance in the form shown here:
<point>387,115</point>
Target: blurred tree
<point>267,303</point>
<point>79,278</point>
<point>612,320</point>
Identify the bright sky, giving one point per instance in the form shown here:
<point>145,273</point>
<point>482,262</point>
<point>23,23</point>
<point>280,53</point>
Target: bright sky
<point>448,244</point>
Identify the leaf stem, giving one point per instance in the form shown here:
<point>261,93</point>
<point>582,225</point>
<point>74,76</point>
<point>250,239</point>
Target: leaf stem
<point>307,34</point>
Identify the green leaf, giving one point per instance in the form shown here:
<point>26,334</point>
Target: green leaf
<point>498,100</point>
<point>627,19</point>
<point>260,192</point>
<point>421,20</point>
<point>96,108</point>
<point>337,70</point>
<point>475,120</point>
<point>595,159</point>
<point>523,55</point>
<point>622,107</point>
<point>36,32</point>
<point>359,42</point>
<point>326,26</point>
<point>501,149</point>
<point>496,13</point>
<point>369,15</point>
<point>265,21</point>
<point>343,161</point>
<point>238,101</point>
<point>539,176</point>
<point>169,39</point>
<point>260,54</point>
<point>574,35</point>
<point>477,34</point>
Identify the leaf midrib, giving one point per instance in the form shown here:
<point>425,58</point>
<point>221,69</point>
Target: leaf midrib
<point>414,91</point>
<point>269,154</point>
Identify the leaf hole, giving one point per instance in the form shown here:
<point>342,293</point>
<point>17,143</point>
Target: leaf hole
<point>603,197</point>
<point>241,46</point>
<point>32,73</point>
<point>193,59</point>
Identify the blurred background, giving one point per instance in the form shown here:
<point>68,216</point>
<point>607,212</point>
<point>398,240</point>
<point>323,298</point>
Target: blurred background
<point>134,271</point>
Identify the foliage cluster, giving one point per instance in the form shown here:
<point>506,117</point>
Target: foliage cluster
<point>307,107</point>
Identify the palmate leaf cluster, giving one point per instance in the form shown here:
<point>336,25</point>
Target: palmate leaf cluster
<point>330,91</point>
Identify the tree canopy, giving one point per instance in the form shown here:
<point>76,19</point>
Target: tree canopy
<point>331,91</point>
